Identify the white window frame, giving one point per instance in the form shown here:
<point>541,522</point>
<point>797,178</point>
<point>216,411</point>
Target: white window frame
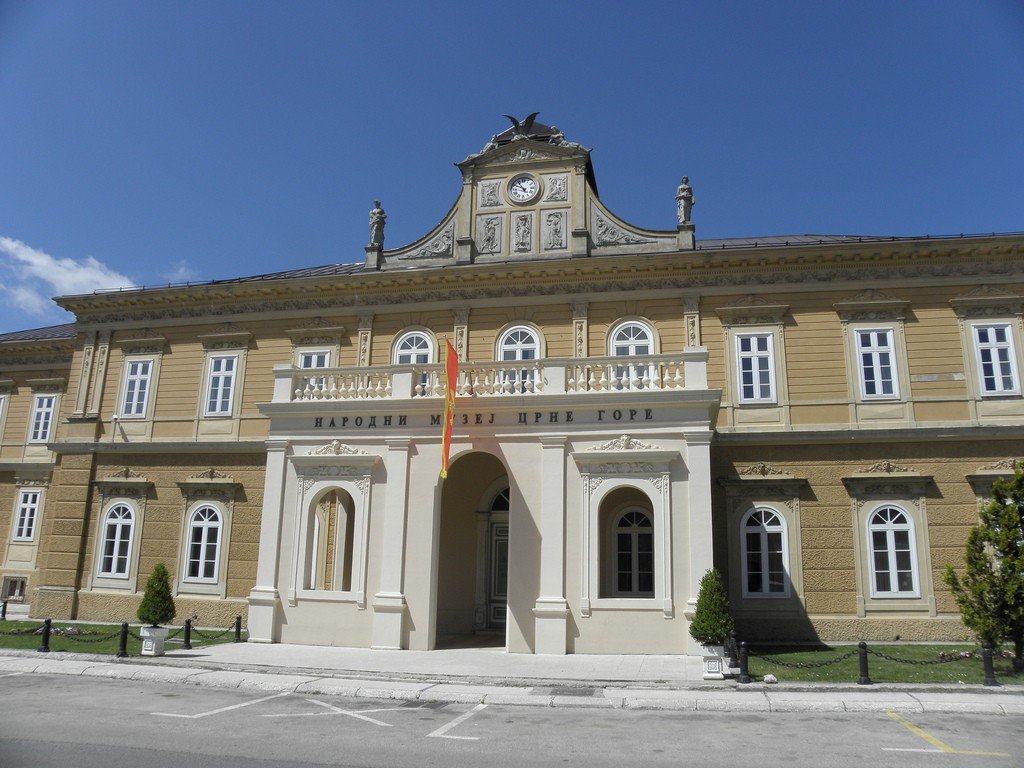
<point>1011,358</point>
<point>213,376</point>
<point>41,413</point>
<point>397,353</point>
<point>874,352</point>
<point>890,529</point>
<point>307,358</point>
<point>755,355</point>
<point>204,545</point>
<point>26,520</point>
<point>763,530</point>
<point>522,380</point>
<point>101,542</point>
<point>613,560</point>
<point>132,405</point>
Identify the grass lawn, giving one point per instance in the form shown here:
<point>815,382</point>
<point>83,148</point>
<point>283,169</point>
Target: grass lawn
<point>94,638</point>
<point>772,660</point>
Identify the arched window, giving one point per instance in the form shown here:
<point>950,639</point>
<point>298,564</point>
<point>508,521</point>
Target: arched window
<point>631,339</point>
<point>893,557</point>
<point>518,343</point>
<point>203,545</point>
<point>413,348</point>
<point>330,542</point>
<point>501,501</point>
<point>115,552</point>
<point>634,554</point>
<point>765,555</point>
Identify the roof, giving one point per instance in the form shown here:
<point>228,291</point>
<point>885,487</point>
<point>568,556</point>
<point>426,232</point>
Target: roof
<point>49,333</point>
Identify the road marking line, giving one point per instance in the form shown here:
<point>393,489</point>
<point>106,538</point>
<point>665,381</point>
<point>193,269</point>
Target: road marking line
<point>12,674</point>
<point>336,711</point>
<point>942,747</point>
<point>356,715</point>
<point>222,709</point>
<point>441,732</point>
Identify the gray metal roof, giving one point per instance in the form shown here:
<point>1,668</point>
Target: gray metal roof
<point>49,333</point>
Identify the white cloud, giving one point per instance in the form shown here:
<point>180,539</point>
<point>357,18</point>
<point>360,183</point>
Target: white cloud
<point>64,276</point>
<point>180,272</point>
<point>30,277</point>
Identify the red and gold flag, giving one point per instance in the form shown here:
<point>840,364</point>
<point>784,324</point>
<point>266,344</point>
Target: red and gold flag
<point>451,376</point>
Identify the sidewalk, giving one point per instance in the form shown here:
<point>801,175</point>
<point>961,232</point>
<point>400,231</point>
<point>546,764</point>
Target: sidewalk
<point>491,676</point>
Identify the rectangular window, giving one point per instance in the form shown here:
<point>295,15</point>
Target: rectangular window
<point>42,418</point>
<point>997,369</point>
<point>756,363</point>
<point>136,387</point>
<point>221,385</point>
<point>28,510</point>
<point>314,359</point>
<point>877,364</point>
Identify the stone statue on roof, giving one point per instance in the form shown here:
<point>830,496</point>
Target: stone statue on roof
<point>377,217</point>
<point>684,200</point>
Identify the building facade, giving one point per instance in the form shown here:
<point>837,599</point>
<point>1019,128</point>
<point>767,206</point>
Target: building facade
<point>818,417</point>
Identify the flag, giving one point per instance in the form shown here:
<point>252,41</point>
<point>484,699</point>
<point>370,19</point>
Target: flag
<point>451,376</point>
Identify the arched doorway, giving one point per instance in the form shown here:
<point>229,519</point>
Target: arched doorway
<point>472,577</point>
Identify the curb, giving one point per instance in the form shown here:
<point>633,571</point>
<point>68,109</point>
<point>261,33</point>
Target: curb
<point>576,694</point>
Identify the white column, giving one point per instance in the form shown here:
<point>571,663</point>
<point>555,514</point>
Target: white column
<point>551,610</point>
<point>264,599</point>
<point>698,463</point>
<point>389,604</point>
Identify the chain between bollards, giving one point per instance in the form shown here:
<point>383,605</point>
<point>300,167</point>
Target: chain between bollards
<point>187,644</point>
<point>862,651</point>
<point>986,659</point>
<point>45,646</point>
<point>238,629</point>
<point>744,669</point>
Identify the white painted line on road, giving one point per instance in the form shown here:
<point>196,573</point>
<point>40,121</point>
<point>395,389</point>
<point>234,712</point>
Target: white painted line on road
<point>12,674</point>
<point>911,749</point>
<point>441,733</point>
<point>942,747</point>
<point>360,715</point>
<point>222,709</point>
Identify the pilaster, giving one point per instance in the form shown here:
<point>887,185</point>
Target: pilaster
<point>701,544</point>
<point>365,339</point>
<point>580,329</point>
<point>264,599</point>
<point>461,317</point>
<point>551,611</point>
<point>389,606</point>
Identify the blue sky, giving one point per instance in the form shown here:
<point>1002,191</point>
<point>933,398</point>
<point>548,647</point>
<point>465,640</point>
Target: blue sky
<point>150,142</point>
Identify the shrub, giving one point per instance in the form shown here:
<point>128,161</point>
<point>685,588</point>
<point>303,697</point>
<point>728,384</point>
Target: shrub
<point>157,606</point>
<point>711,623</point>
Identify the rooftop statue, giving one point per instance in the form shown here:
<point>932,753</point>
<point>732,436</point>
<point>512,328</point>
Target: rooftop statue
<point>684,200</point>
<point>377,217</point>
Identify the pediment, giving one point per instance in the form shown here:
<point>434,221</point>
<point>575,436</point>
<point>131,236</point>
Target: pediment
<point>524,151</point>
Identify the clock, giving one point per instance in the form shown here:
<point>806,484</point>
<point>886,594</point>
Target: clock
<point>523,188</point>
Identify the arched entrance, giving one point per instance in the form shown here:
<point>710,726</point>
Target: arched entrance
<point>472,578</point>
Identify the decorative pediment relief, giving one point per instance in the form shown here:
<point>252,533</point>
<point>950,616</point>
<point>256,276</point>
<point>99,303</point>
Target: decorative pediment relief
<point>337,448</point>
<point>887,479</point>
<point>1008,465</point>
<point>983,479</point>
<point>761,469</point>
<point>46,385</point>
<point>317,332</point>
<point>209,485</point>
<point>987,301</point>
<point>764,481</point>
<point>871,304</point>
<point>226,336</point>
<point>624,443</point>
<point>124,482</point>
<point>753,310</point>
<point>607,232</point>
<point>885,467</point>
<point>147,343</point>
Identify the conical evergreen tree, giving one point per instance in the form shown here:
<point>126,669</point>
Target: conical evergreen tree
<point>711,623</point>
<point>990,591</point>
<point>157,606</point>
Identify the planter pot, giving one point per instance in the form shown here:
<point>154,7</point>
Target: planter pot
<point>714,661</point>
<point>153,639</point>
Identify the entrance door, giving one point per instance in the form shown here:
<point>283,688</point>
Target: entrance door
<point>497,588</point>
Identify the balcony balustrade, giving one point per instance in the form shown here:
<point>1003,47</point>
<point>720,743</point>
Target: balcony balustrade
<point>552,376</point>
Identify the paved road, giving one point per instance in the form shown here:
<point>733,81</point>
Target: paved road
<point>72,722</point>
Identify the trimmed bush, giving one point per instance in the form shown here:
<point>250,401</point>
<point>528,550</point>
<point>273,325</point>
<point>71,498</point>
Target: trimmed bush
<point>712,622</point>
<point>157,606</point>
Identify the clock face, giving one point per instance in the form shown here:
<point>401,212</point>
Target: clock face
<point>523,188</point>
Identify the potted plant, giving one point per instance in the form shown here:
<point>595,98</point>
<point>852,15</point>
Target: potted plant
<point>157,607</point>
<point>712,624</point>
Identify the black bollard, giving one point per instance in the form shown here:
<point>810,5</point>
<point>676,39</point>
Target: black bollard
<point>744,670</point>
<point>862,650</point>
<point>45,647</point>
<point>187,645</point>
<point>238,629</point>
<point>3,611</point>
<point>734,651</point>
<point>122,641</point>
<point>986,659</point>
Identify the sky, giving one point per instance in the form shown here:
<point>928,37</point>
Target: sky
<point>143,143</point>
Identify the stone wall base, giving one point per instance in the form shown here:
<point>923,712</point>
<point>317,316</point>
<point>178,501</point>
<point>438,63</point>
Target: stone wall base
<point>851,628</point>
